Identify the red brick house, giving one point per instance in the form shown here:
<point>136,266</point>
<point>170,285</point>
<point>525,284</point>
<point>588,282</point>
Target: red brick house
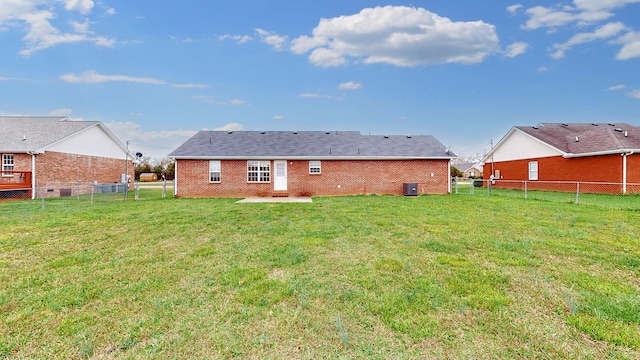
<point>469,170</point>
<point>576,152</point>
<point>57,155</point>
<point>309,163</point>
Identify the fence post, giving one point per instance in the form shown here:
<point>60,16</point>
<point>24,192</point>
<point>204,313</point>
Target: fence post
<point>164,187</point>
<point>577,192</point>
<point>43,198</point>
<point>525,189</point>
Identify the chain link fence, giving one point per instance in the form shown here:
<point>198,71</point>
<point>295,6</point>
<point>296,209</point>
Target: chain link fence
<point>79,194</point>
<point>614,195</point>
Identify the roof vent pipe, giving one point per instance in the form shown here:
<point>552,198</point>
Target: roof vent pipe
<point>577,139</point>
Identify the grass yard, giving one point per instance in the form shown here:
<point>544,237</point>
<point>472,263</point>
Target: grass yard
<point>346,277</point>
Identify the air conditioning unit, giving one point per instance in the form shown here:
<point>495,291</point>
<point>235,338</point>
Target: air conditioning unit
<point>410,189</point>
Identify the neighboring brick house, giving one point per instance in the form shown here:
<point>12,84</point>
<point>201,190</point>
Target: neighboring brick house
<point>469,170</point>
<point>53,154</point>
<point>576,152</point>
<point>309,163</point>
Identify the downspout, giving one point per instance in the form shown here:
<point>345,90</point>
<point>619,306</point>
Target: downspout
<point>449,176</point>
<point>624,171</point>
<point>175,178</point>
<point>33,174</point>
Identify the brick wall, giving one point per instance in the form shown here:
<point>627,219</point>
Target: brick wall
<point>56,170</point>
<point>336,178</point>
<point>605,168</point>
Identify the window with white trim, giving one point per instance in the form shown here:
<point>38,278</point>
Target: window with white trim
<point>314,167</point>
<point>258,171</point>
<point>214,171</point>
<point>7,164</point>
<point>533,170</point>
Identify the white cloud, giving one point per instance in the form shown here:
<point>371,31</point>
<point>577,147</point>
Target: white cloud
<point>634,94</point>
<point>278,117</point>
<point>82,27</point>
<point>631,46</point>
<point>111,11</point>
<point>240,39</point>
<point>603,32</point>
<point>397,35</point>
<point>272,39</point>
<point>595,5</point>
<point>514,8</point>
<point>350,86</point>
<point>11,79</point>
<point>233,102</point>
<point>515,49</point>
<point>154,144</point>
<point>36,17</point>
<point>92,77</point>
<point>214,100</point>
<point>583,12</point>
<point>61,112</point>
<point>314,96</point>
<point>616,87</point>
<point>82,6</point>
<point>230,127</point>
<point>543,69</point>
<point>190,86</point>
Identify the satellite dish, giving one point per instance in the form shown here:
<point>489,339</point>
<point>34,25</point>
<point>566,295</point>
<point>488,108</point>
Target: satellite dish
<point>138,154</point>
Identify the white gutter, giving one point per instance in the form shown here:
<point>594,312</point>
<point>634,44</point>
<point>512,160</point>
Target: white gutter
<point>605,152</point>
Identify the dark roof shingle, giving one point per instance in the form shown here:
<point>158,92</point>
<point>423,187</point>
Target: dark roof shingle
<point>308,144</point>
<point>27,133</point>
<point>583,138</point>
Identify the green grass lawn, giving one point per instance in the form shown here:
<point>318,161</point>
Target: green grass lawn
<point>345,277</point>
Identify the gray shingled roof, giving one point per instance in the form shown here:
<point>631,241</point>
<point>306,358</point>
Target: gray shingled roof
<point>20,134</point>
<point>308,144</point>
<point>577,139</point>
<point>464,166</point>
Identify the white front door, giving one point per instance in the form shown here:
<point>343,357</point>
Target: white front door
<point>280,178</point>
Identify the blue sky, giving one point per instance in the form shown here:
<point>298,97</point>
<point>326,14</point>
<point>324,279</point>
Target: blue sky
<point>466,71</point>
